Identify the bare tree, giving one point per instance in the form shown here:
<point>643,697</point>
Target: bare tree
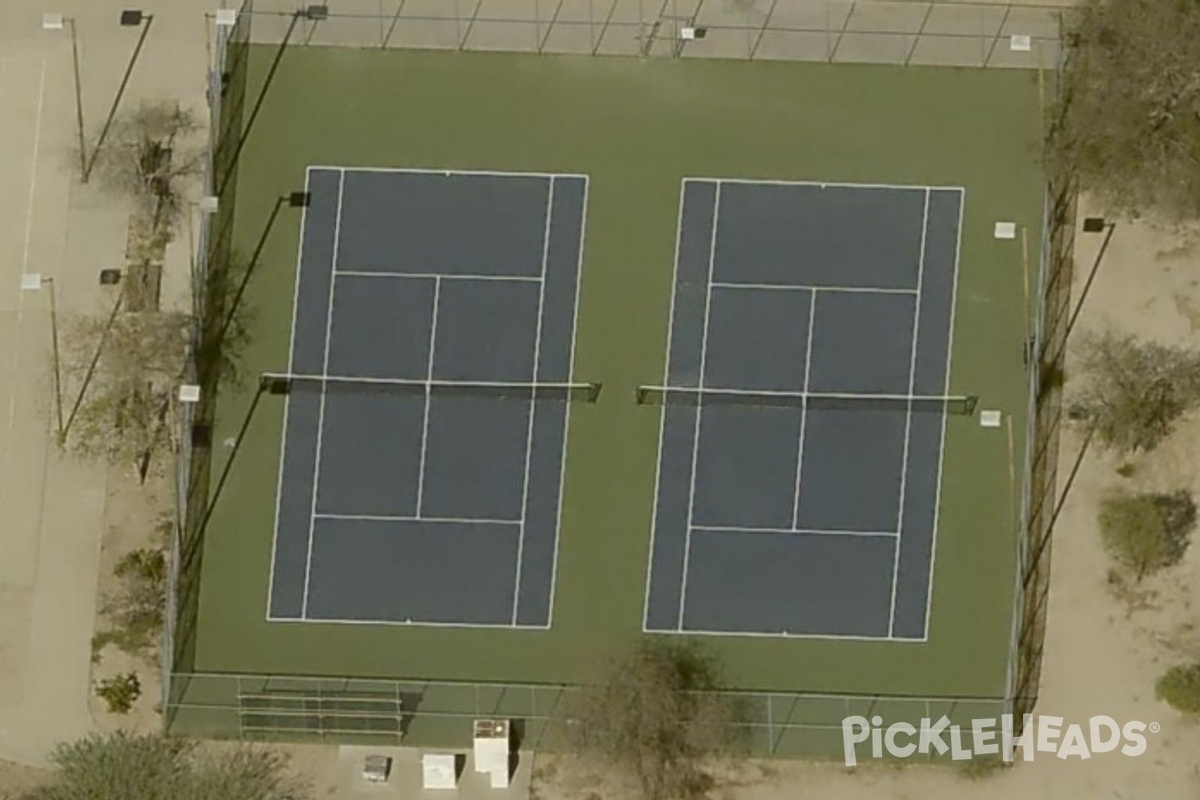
<point>657,719</point>
<point>128,366</point>
<point>1133,391</point>
<point>1128,117</point>
<point>151,152</point>
<point>121,766</point>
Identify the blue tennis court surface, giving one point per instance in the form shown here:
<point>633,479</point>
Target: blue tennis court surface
<point>400,502</point>
<point>818,518</point>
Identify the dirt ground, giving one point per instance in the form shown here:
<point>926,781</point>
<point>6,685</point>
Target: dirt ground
<point>1105,645</point>
<point>17,777</point>
<point>133,512</point>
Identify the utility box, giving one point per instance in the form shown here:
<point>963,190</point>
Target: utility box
<point>493,743</point>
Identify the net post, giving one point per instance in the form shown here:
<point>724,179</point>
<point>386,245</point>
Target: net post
<point>272,383</point>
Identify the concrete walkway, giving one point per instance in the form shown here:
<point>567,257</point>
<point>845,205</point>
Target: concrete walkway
<point>52,508</point>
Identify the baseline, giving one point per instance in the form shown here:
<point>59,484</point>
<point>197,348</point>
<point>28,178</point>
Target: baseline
<point>444,276</point>
<point>829,184</point>
<point>800,287</point>
<point>804,531</point>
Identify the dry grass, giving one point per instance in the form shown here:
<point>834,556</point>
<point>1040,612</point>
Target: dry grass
<point>16,778</point>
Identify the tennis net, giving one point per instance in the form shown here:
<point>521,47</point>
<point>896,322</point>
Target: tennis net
<point>696,397</point>
<point>286,383</point>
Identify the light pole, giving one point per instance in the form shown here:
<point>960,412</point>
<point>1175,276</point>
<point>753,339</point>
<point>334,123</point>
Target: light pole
<point>311,13</point>
<point>193,395</point>
<point>32,282</point>
<point>54,22</point>
<point>1062,498</point>
<point>1091,225</point>
<point>130,18</point>
<point>294,200</point>
<point>91,370</point>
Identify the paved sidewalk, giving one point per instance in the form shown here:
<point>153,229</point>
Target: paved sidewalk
<point>51,507</point>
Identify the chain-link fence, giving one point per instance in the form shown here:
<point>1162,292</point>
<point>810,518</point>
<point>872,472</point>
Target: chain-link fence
<point>779,724</point>
<point>225,94</point>
<point>834,31</point>
<point>1046,356</point>
<point>440,713</point>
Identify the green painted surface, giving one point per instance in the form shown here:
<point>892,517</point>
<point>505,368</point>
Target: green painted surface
<point>638,127</point>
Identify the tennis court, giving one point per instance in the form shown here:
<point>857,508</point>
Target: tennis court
<point>804,409</point>
<point>428,394</point>
<point>372,566</point>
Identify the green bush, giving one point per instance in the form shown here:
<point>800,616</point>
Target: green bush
<point>125,766</point>
<point>1132,392</point>
<point>1146,532</point>
<point>1179,687</point>
<point>120,692</point>
<point>1124,119</point>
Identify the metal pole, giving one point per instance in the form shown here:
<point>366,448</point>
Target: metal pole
<point>1109,228</point>
<point>83,157</point>
<point>91,371</point>
<point>258,248</point>
<point>1071,481</point>
<point>58,400</point>
<point>237,444</point>
<point>262,95</point>
<point>1062,498</point>
<point>112,112</point>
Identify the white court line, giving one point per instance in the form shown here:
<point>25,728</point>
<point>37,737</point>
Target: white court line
<point>687,542</point>
<point>784,393</point>
<point>782,635</point>
<point>421,383</point>
<point>912,376</point>
<point>437,291</point>
<point>937,497</point>
<point>287,404</point>
<point>464,172</point>
<point>562,469</point>
<point>405,623</point>
<point>16,351</point>
<point>796,287</point>
<point>662,417</point>
<point>812,314</point>
<point>829,184</point>
<point>351,273</point>
<point>33,169</point>
<point>418,518</point>
<point>533,407</point>
<point>792,530</point>
<point>312,521</point>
